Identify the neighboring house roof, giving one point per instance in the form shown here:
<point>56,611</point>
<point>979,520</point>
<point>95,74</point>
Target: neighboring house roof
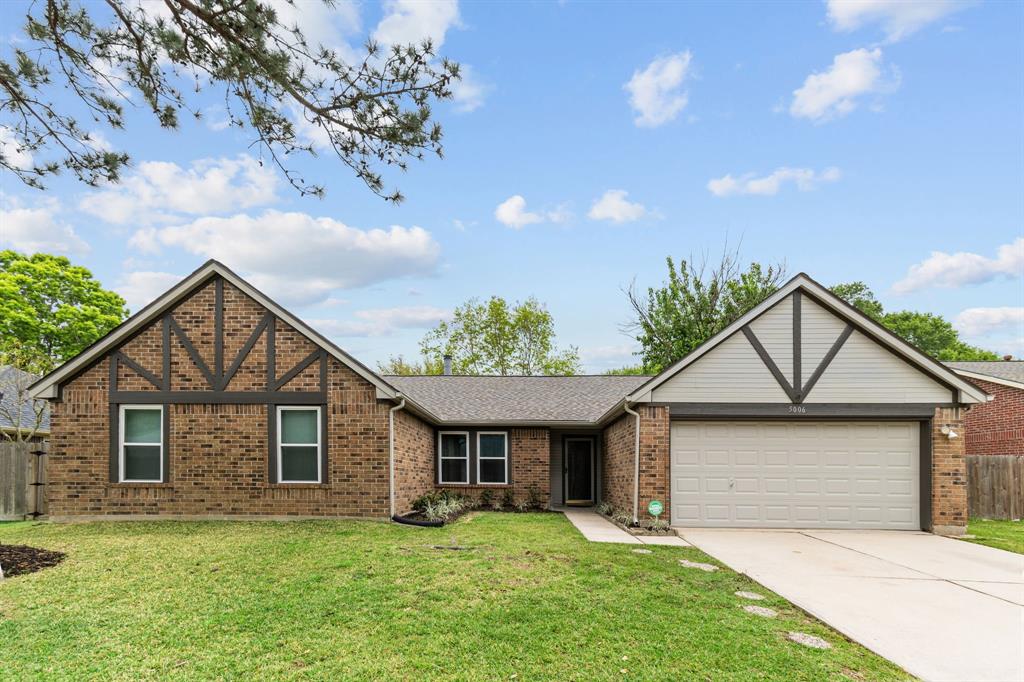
<point>517,399</point>
<point>1005,372</point>
<point>11,379</point>
<point>968,392</point>
<point>48,385</point>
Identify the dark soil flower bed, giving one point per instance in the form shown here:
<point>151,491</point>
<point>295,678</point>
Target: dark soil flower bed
<point>21,559</point>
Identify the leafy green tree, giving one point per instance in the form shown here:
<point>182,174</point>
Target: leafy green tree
<point>50,310</point>
<point>492,337</point>
<point>371,114</point>
<point>931,333</point>
<point>694,304</point>
<point>630,370</point>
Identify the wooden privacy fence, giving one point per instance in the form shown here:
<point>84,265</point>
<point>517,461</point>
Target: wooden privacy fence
<point>22,480</point>
<point>995,486</point>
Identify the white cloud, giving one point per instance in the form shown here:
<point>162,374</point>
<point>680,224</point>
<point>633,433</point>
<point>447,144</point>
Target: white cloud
<point>976,322</point>
<point>835,92</point>
<point>384,321</point>
<point>656,93</point>
<point>805,180</point>
<point>300,259</point>
<point>141,287</point>
<point>468,94</point>
<point>38,229</point>
<point>613,206</point>
<point>898,18</point>
<point>12,151</point>
<point>159,191</point>
<point>512,212</point>
<point>601,358</point>
<point>947,270</point>
<point>410,21</point>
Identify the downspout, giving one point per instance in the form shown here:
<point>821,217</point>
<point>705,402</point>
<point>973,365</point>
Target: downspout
<point>391,456</point>
<point>636,471</point>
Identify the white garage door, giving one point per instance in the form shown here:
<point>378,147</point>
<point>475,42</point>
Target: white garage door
<point>796,474</point>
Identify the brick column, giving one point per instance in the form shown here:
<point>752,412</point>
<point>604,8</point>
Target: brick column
<point>949,474</point>
<point>654,457</point>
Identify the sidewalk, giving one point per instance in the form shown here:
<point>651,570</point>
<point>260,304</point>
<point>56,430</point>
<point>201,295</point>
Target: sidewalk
<point>597,528</point>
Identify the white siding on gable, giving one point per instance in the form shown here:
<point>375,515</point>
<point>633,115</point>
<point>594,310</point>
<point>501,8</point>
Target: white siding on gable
<point>863,372</point>
<point>732,372</point>
<point>819,330</point>
<point>774,329</point>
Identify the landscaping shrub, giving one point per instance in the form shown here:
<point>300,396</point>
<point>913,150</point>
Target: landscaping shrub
<point>605,509</point>
<point>508,499</point>
<point>533,499</point>
<point>486,497</point>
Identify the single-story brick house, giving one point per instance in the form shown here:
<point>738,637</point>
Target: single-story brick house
<point>214,401</point>
<point>997,427</point>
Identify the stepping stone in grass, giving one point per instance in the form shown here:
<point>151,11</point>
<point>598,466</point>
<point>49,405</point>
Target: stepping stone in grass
<point>749,595</point>
<point>809,640</point>
<point>642,551</point>
<point>696,564</point>
<point>761,611</point>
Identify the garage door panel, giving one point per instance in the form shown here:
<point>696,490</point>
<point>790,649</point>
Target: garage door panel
<point>795,474</point>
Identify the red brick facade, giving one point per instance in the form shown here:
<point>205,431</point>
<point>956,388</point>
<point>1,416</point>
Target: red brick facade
<point>996,427</point>
<point>618,472</point>
<point>949,474</point>
<point>414,459</point>
<point>219,453</point>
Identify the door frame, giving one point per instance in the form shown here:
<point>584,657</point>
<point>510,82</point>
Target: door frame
<point>565,472</point>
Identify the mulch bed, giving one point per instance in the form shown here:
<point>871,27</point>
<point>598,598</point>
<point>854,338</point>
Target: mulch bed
<point>21,559</point>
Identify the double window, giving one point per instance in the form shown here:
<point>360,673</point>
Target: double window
<point>141,444</point>
<point>453,449</point>
<point>299,445</point>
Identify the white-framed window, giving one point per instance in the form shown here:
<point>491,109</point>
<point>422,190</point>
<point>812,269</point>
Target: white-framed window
<point>298,444</point>
<point>492,457</point>
<point>141,444</point>
<point>453,456</point>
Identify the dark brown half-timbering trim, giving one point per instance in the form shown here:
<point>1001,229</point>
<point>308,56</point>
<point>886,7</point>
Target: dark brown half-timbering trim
<point>115,432</point>
<point>193,353</point>
<point>925,471</point>
<point>244,352</point>
<point>769,363</point>
<point>804,411</point>
<point>139,369</point>
<point>218,329</point>
<point>272,352</point>
<point>219,397</point>
<point>166,332</point>
<point>297,369</point>
<point>825,362</point>
<point>324,475</point>
<point>797,346</point>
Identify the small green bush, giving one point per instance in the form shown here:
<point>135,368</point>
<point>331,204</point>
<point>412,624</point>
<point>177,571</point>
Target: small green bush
<point>605,509</point>
<point>486,497</point>
<point>508,499</point>
<point>533,499</point>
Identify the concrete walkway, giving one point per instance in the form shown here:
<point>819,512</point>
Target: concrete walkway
<point>942,609</point>
<point>597,528</point>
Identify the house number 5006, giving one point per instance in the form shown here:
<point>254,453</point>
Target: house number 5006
<point>798,409</point>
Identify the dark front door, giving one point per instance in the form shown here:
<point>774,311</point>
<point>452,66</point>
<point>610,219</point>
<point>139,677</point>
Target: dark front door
<point>579,471</point>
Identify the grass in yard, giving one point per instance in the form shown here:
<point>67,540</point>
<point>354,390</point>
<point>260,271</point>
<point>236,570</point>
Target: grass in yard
<point>365,600</point>
<point>1008,535</point>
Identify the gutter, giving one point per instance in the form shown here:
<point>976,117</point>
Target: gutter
<point>636,457</point>
<point>391,455</point>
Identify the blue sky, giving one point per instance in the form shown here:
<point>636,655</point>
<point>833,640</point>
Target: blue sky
<point>882,142</point>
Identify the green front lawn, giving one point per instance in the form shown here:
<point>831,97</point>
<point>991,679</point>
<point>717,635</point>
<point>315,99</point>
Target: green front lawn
<point>529,600</point>
<point>1008,535</point>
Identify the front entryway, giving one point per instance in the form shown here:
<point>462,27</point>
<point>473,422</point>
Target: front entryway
<point>579,471</point>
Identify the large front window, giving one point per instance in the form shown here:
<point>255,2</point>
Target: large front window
<point>453,448</point>
<point>141,451</point>
<point>298,445</point>
<point>492,457</point>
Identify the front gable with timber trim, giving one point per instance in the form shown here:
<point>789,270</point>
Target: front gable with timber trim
<point>803,345</point>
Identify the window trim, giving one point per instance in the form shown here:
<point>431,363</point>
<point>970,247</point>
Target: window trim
<point>503,458</point>
<point>441,457</point>
<point>121,443</point>
<point>319,444</point>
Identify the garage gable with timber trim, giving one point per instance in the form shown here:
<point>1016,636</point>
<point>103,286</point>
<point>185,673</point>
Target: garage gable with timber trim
<point>804,413</point>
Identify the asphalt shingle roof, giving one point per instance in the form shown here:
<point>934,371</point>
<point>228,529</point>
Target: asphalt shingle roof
<point>1010,370</point>
<point>11,378</point>
<point>473,399</point>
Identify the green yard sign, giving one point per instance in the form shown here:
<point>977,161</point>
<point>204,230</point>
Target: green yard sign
<point>655,508</point>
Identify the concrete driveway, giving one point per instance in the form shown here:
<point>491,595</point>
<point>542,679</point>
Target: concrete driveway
<point>942,609</point>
